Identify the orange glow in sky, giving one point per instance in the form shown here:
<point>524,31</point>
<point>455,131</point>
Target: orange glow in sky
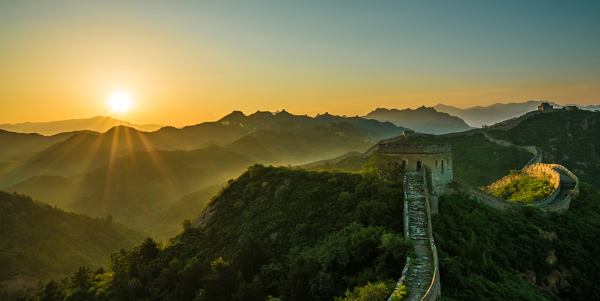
<point>186,62</point>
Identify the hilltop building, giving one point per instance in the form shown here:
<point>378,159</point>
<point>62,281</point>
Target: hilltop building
<point>434,159</point>
<point>545,107</point>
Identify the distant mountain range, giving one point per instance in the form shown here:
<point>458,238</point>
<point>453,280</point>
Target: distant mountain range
<point>478,116</point>
<point>422,120</point>
<point>96,124</point>
<point>134,175</point>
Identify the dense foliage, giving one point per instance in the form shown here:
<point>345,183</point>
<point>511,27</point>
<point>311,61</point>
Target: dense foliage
<point>525,190</point>
<point>568,138</point>
<point>286,233</point>
<point>41,242</point>
<point>486,254</point>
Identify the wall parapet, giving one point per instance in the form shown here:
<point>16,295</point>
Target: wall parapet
<point>435,288</point>
<point>513,122</point>
<point>414,148</point>
<point>563,205</point>
<point>547,205</point>
<point>487,198</point>
<point>536,170</point>
<point>402,278</point>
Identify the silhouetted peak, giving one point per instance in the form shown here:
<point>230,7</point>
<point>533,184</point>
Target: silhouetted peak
<point>282,112</point>
<point>119,128</point>
<point>425,109</point>
<point>235,114</point>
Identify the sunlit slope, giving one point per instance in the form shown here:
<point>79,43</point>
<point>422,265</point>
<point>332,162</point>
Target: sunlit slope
<point>39,242</point>
<point>288,233</point>
<point>23,145</point>
<point>83,152</point>
<point>299,147</point>
<point>568,138</point>
<point>136,186</point>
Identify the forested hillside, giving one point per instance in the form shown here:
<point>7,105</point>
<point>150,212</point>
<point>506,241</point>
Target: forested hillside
<point>281,232</point>
<point>301,235</point>
<point>39,242</point>
<point>568,138</point>
<point>486,254</point>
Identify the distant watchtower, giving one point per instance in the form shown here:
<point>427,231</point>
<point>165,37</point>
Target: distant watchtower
<point>545,107</point>
<point>435,159</point>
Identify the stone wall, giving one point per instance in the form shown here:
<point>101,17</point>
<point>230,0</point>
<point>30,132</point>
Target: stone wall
<point>486,198</point>
<point>331,161</point>
<point>512,123</point>
<point>564,205</point>
<point>414,148</point>
<point>435,289</point>
<point>537,170</point>
<point>547,205</point>
<point>406,235</point>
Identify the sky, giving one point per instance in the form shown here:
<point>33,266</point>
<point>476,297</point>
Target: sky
<point>186,62</point>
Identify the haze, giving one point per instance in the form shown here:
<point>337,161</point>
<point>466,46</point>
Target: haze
<point>186,62</point>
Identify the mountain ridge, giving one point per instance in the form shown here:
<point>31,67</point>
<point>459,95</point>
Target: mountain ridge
<point>422,120</point>
<point>97,124</point>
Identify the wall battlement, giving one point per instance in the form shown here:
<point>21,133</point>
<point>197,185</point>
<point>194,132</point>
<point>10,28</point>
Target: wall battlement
<point>435,159</point>
<point>414,148</point>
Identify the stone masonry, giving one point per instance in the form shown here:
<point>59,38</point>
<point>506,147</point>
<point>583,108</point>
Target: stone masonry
<point>420,274</point>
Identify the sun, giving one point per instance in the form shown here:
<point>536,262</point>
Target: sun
<point>120,102</point>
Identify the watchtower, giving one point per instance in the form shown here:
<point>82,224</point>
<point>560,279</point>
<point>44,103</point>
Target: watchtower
<point>435,159</point>
<point>545,107</point>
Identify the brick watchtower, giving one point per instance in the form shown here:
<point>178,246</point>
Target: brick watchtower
<point>435,159</point>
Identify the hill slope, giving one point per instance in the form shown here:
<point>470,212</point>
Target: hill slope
<point>422,120</point>
<point>274,231</point>
<point>97,124</point>
<point>39,242</point>
<point>568,138</point>
<point>490,255</point>
<point>478,116</point>
<point>23,145</point>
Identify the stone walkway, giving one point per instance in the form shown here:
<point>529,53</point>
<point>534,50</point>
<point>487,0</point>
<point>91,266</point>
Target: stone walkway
<point>566,185</point>
<point>420,274</point>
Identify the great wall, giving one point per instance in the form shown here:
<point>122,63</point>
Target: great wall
<point>426,177</point>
